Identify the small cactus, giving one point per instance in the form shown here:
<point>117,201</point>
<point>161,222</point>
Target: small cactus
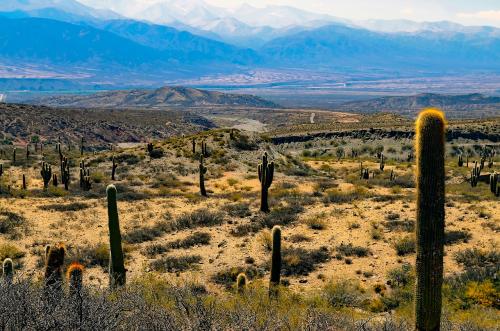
<point>203,171</point>
<point>382,162</point>
<point>193,143</point>
<point>24,183</point>
<point>117,272</point>
<point>54,260</point>
<point>460,160</point>
<point>241,283</point>
<point>113,168</point>
<point>8,270</point>
<point>82,146</point>
<point>54,180</point>
<point>74,277</point>
<point>150,148</point>
<point>266,175</point>
<point>275,262</point>
<point>46,174</point>
<point>430,176</point>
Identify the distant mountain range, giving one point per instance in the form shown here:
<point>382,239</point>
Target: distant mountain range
<point>466,103</point>
<point>164,97</point>
<point>138,44</point>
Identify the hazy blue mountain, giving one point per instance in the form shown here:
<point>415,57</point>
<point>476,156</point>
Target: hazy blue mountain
<point>166,38</point>
<point>338,45</point>
<point>125,43</point>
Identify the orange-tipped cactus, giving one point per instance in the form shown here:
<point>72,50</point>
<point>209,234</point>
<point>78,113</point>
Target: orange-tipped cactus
<point>74,277</point>
<point>430,176</point>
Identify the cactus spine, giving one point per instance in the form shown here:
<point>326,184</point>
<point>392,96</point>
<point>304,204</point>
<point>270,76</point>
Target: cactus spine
<point>266,174</point>
<point>54,260</point>
<point>46,173</point>
<point>74,277</point>
<point>8,270</point>
<point>241,283</point>
<point>203,171</point>
<point>117,272</point>
<point>430,219</point>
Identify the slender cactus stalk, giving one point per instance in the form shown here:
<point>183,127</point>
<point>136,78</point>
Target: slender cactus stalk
<point>430,148</point>
<point>275,262</point>
<point>117,272</point>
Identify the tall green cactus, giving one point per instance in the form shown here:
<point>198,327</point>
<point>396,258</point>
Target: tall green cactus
<point>203,171</point>
<point>46,173</point>
<point>275,262</point>
<point>8,270</point>
<point>430,148</point>
<point>117,272</point>
<point>266,174</point>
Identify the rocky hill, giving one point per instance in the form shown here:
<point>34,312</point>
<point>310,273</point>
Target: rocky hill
<point>466,103</point>
<point>21,123</point>
<point>161,98</point>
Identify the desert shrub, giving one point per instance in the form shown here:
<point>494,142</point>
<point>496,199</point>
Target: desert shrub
<point>166,180</point>
<point>338,196</point>
<point>401,276</point>
<point>392,216</point>
<point>128,158</point>
<point>227,277</point>
<point>281,216</point>
<point>478,265</point>
<point>405,246</point>
<point>344,294</point>
<point>316,222</point>
<point>455,236</point>
<point>147,233</point>
<point>300,261</point>
<point>199,218</point>
<point>156,153</point>
<point>197,238</point>
<point>73,206</point>
<point>97,177</point>
<point>238,209</point>
<point>12,224</point>
<point>243,229</point>
<point>483,294</point>
<point>350,250</point>
<point>244,143</point>
<point>93,255</point>
<point>11,251</point>
<point>298,238</point>
<point>405,225</point>
<point>175,263</point>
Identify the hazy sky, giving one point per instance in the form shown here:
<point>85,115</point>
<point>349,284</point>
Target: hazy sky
<point>465,11</point>
<point>469,12</point>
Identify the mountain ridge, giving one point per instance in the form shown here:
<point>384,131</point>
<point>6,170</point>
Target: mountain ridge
<point>175,96</point>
